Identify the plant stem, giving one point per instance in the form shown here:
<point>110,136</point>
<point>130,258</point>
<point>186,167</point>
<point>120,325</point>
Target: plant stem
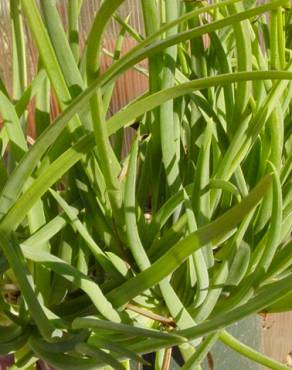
<point>250,353</point>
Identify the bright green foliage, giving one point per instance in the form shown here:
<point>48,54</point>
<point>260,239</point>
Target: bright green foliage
<point>107,253</point>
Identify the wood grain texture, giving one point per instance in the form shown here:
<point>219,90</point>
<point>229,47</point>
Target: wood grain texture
<point>277,336</point>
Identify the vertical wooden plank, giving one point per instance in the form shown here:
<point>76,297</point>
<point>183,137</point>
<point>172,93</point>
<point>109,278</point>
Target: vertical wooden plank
<point>277,336</point>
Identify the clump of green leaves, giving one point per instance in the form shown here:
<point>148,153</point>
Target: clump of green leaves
<point>106,256</point>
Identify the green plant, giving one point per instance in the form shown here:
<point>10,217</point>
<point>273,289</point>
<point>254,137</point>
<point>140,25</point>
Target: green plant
<point>87,279</point>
